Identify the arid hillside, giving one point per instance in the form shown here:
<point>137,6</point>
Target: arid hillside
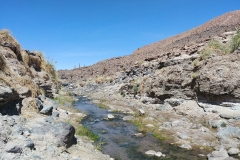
<point>184,43</point>
<point>23,74</point>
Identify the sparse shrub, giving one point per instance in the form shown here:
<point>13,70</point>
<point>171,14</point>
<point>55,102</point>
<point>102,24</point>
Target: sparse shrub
<point>195,75</point>
<point>205,53</point>
<point>195,63</point>
<point>101,105</point>
<point>5,35</point>
<point>63,99</point>
<point>99,79</point>
<point>135,90</point>
<point>123,95</point>
<point>141,86</point>
<point>223,124</point>
<point>235,43</point>
<point>84,131</point>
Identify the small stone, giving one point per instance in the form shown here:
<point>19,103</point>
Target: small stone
<point>141,112</point>
<point>150,126</point>
<point>49,119</point>
<point>186,146</point>
<point>55,114</point>
<point>150,153</point>
<point>47,110</point>
<point>12,148</point>
<point>29,144</point>
<point>128,118</point>
<point>233,151</point>
<point>221,154</point>
<point>158,154</point>
<point>110,116</point>
<point>226,116</point>
<point>26,133</point>
<point>183,136</point>
<point>138,135</point>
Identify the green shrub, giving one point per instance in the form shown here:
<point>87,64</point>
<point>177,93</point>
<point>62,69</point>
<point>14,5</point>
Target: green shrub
<point>218,46</point>
<point>84,131</point>
<point>223,124</point>
<point>135,90</point>
<point>194,75</point>
<point>235,43</point>
<point>196,63</point>
<point>205,53</point>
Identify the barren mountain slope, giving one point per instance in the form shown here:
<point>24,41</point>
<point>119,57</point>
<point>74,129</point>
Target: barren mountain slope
<point>184,43</point>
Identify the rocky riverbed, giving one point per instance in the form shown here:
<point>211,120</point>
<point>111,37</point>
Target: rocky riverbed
<point>188,124</point>
<point>45,136</point>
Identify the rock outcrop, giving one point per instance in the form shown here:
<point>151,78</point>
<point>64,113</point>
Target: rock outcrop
<point>23,73</point>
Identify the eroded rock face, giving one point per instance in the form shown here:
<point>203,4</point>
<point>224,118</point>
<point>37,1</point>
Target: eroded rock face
<point>22,72</point>
<point>7,94</point>
<point>219,77</point>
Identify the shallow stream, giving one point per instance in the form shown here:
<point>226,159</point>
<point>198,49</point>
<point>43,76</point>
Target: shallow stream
<point>119,140</point>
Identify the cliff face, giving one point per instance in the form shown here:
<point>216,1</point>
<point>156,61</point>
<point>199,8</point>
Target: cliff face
<point>22,73</point>
<point>170,47</point>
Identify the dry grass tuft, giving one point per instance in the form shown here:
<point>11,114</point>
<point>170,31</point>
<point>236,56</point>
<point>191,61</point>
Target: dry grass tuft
<point>100,80</point>
<point>2,62</point>
<point>141,86</point>
<point>6,37</point>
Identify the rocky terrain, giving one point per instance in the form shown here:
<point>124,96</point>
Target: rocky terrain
<point>32,125</point>
<point>184,43</point>
<point>187,87</point>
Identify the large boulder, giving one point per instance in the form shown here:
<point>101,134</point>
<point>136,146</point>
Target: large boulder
<point>60,134</point>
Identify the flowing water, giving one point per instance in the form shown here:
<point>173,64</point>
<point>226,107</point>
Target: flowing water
<point>119,140</point>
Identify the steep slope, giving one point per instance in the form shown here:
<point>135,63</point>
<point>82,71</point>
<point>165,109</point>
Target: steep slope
<point>184,43</point>
<point>22,73</point>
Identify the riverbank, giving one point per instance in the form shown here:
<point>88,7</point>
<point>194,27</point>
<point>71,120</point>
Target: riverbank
<point>185,123</point>
<point>46,135</point>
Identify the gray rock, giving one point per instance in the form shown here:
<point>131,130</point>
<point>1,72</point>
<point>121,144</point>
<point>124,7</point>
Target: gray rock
<point>17,130</point>
<point>138,135</point>
<point>229,131</point>
<point>217,123</point>
<point>186,146</point>
<point>128,118</point>
<point>218,155</point>
<point>230,158</point>
<point>161,107</point>
<point>51,150</point>
<point>64,134</point>
<point>13,148</point>
<point>4,90</point>
<point>55,114</point>
<point>29,144</point>
<point>174,102</point>
<point>226,116</point>
<point>49,119</point>
<point>233,151</point>
<point>150,153</point>
<point>39,104</point>
<point>110,116</point>
<point>47,110</point>
<point>183,136</point>
<point>167,124</point>
<point>141,112</point>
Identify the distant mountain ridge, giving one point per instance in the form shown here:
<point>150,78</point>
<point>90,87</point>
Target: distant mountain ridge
<point>168,47</point>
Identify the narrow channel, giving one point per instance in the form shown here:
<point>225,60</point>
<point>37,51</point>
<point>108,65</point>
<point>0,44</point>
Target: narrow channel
<point>119,140</point>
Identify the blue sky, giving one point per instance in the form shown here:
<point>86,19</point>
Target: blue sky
<point>70,32</point>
